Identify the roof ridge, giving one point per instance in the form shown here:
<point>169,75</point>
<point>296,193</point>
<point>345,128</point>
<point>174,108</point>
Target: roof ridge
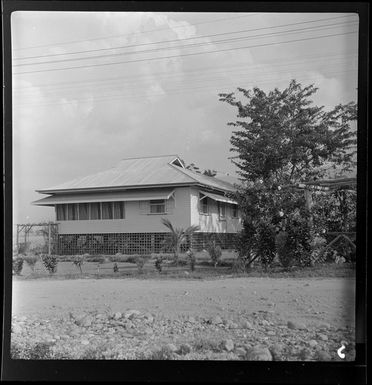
<point>153,156</point>
<point>182,170</point>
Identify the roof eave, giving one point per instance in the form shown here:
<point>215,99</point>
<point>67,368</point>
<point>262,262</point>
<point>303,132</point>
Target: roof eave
<point>112,188</point>
<point>118,188</point>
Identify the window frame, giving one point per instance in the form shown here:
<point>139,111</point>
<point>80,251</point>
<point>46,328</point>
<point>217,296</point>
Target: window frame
<point>73,209</point>
<point>99,212</point>
<point>88,211</point>
<point>221,206</point>
<point>121,205</point>
<point>203,202</point>
<point>157,204</point>
<point>110,211</point>
<point>234,211</point>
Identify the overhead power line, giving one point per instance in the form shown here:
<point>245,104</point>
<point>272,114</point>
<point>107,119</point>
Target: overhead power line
<point>183,90</point>
<point>184,55</point>
<point>235,39</point>
<point>133,33</point>
<point>181,40</point>
<point>211,76</point>
<point>198,71</point>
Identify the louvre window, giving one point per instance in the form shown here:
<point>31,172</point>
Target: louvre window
<point>83,211</point>
<point>157,206</point>
<point>119,212</point>
<point>204,207</point>
<point>234,211</point>
<point>107,210</point>
<point>61,212</point>
<point>72,212</point>
<point>95,211</point>
<point>221,210</point>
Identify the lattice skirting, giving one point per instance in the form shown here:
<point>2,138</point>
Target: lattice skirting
<point>134,243</point>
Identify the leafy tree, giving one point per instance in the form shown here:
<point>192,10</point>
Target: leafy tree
<point>177,237</point>
<point>281,138</point>
<point>209,172</point>
<point>193,167</point>
<point>281,134</point>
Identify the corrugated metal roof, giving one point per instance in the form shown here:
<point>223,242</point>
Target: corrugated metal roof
<point>141,172</point>
<point>219,198</point>
<point>125,196</point>
<point>210,181</point>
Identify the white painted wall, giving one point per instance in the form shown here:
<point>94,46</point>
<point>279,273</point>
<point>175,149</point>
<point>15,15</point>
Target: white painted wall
<point>211,222</point>
<point>136,220</point>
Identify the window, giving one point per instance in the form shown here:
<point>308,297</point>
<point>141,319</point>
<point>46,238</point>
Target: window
<point>234,210</point>
<point>83,211</point>
<point>203,204</point>
<point>119,212</point>
<point>107,210</point>
<point>95,211</point>
<point>221,210</point>
<point>157,206</point>
<point>72,212</point>
<point>61,212</point>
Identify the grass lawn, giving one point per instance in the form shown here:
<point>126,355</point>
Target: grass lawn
<point>204,269</point>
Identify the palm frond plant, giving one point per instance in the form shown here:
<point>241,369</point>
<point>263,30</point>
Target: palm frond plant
<point>177,237</point>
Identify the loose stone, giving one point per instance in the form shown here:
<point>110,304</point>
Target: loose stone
<point>258,353</point>
<point>296,325</point>
<point>323,337</point>
<point>228,345</point>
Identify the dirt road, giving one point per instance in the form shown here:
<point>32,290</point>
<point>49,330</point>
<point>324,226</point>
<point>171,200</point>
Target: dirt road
<point>310,300</point>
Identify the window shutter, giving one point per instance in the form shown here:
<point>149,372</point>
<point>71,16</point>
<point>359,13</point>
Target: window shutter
<point>144,207</point>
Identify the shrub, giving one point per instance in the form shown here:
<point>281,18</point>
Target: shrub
<point>17,265</point>
<point>266,243</point>
<point>344,249</point>
<point>130,259</point>
<point>158,263</point>
<point>31,261</point>
<point>118,258</point>
<point>141,261</point>
<point>192,259</point>
<point>215,252</point>
<point>97,259</point>
<point>78,262</point>
<point>318,254</point>
<point>50,263</point>
<point>281,242</point>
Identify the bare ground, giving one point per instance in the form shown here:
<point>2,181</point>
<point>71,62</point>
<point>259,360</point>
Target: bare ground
<point>308,300</point>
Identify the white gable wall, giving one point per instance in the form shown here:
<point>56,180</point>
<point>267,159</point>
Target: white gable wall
<point>211,223</point>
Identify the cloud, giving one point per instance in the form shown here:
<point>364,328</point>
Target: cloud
<point>154,106</point>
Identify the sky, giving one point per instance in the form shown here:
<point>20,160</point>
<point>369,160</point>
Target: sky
<point>92,88</point>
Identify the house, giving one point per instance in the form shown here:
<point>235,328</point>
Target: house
<point>120,209</point>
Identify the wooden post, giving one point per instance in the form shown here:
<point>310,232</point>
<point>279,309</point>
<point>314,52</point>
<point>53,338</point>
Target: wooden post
<point>152,243</point>
<point>25,229</point>
<point>49,236</point>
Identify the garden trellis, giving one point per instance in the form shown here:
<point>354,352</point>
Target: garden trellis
<point>25,228</point>
<point>329,186</point>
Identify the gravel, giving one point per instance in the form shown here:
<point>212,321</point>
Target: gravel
<point>140,335</point>
<point>129,319</point>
